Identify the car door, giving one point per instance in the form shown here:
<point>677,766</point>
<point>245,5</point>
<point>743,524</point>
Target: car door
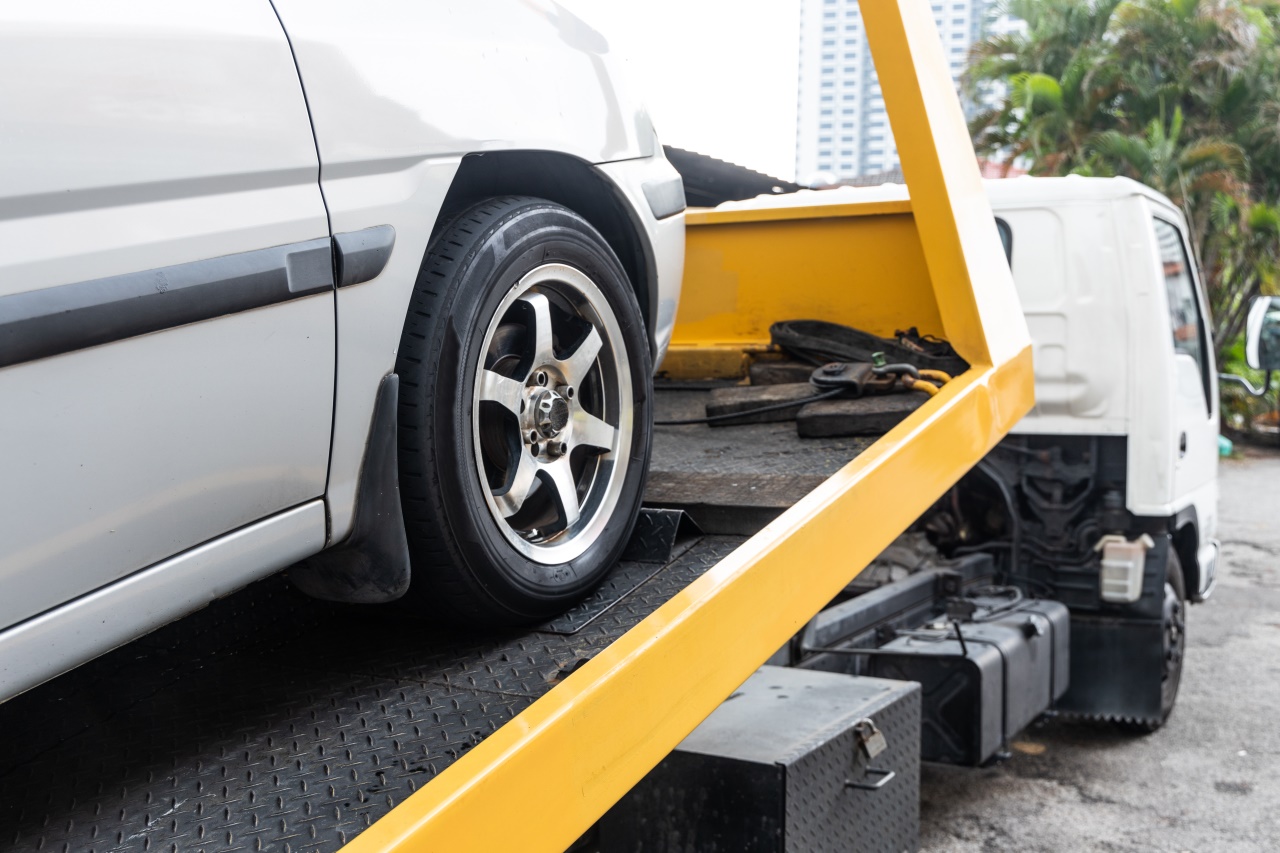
<point>166,290</point>
<point>1195,426</point>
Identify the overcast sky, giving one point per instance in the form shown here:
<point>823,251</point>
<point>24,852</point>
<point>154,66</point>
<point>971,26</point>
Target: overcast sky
<point>719,76</point>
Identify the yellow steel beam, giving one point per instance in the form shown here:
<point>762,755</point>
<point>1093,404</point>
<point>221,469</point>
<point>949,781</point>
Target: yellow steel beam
<point>544,777</point>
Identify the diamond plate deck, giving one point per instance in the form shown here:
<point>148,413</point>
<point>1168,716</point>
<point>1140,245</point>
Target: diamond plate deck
<point>269,721</point>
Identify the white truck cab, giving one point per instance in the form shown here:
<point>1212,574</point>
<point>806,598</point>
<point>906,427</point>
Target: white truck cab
<point>1118,322</point>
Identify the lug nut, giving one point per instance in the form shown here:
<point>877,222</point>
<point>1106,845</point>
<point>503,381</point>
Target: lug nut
<point>567,392</point>
<point>533,436</point>
<point>536,448</point>
<point>540,377</point>
<point>556,448</point>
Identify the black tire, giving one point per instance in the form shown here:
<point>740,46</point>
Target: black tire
<point>472,565</point>
<point>1174,629</point>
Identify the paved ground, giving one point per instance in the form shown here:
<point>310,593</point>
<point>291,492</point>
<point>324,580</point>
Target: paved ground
<point>1208,781</point>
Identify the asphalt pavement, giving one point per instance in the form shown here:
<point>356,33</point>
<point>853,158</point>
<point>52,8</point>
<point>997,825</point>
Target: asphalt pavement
<point>1209,780</point>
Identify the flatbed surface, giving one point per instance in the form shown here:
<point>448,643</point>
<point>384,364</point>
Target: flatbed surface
<point>273,721</point>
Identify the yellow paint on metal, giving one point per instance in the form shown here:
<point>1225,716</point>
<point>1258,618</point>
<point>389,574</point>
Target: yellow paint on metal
<point>854,264</point>
<point>544,777</point>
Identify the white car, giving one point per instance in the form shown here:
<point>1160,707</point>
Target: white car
<point>379,287</point>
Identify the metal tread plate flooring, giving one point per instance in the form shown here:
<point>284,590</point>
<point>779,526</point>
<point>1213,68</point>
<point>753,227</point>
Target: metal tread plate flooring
<point>271,721</point>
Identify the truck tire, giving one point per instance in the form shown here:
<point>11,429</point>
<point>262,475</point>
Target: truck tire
<point>1174,631</point>
<point>525,414</point>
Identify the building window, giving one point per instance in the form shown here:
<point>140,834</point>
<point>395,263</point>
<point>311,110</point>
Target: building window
<point>828,57</point>
<point>828,42</point>
<point>827,84</point>
<point>849,69</point>
<point>828,14</point>
<point>846,139</point>
<point>826,112</point>
<point>850,41</point>
<point>829,28</point>
<point>846,112</point>
<point>849,96</point>
<point>824,167</point>
<point>826,125</point>
<point>824,140</point>
<point>826,153</point>
<point>828,98</point>
<point>846,153</point>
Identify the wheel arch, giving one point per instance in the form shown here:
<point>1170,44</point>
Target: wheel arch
<point>1185,529</point>
<point>574,183</point>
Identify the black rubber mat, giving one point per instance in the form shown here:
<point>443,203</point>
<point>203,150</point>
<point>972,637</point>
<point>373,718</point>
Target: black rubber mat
<point>269,721</point>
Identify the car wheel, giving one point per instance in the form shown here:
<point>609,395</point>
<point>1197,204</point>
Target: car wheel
<point>525,413</point>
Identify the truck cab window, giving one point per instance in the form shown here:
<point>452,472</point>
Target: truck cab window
<point>1006,239</point>
<point>1185,320</point>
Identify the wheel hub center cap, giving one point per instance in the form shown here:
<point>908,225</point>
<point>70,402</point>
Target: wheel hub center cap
<point>550,413</point>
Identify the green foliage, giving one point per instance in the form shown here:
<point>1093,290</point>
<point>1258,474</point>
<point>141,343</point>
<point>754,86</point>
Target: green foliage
<point>1182,95</point>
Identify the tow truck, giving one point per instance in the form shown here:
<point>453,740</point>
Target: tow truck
<point>274,721</point>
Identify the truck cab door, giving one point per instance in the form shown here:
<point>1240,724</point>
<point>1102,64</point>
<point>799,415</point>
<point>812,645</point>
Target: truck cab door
<point>1195,422</point>
<point>166,288</point>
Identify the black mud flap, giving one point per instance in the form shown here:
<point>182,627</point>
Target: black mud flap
<point>1116,669</point>
<point>371,566</point>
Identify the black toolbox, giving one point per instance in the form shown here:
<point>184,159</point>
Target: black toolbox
<point>795,760</point>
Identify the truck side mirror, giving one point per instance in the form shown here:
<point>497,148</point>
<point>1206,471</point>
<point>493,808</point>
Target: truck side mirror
<point>1262,334</point>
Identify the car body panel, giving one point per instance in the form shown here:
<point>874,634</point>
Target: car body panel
<point>148,137</point>
<point>395,110</point>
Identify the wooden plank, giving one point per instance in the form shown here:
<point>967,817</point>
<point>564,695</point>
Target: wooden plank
<point>780,372</point>
<point>873,415</point>
<point>729,504</point>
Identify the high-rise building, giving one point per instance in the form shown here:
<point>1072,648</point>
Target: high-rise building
<point>842,129</point>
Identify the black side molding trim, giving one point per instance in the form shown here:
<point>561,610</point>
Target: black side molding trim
<point>363,255</point>
<point>56,320</point>
<point>370,566</point>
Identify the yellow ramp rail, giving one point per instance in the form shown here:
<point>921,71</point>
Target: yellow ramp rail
<point>935,262</point>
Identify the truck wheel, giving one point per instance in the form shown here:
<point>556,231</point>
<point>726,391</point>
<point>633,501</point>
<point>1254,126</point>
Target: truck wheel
<point>1174,625</point>
<point>525,414</point>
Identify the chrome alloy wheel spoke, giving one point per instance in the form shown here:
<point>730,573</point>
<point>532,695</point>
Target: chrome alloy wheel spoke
<point>541,335</point>
<point>559,476</point>
<point>512,499</point>
<point>590,431</point>
<point>507,392</point>
<point>576,367</point>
